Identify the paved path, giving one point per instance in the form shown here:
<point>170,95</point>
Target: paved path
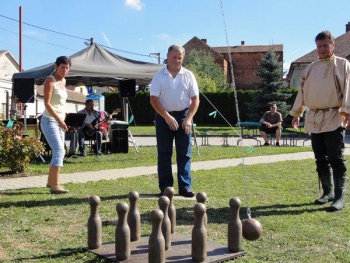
<point>40,181</point>
<point>82,177</point>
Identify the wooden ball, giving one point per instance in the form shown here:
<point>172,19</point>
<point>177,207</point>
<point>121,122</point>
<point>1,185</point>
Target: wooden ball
<point>201,197</point>
<point>251,229</point>
<point>94,200</point>
<point>133,196</point>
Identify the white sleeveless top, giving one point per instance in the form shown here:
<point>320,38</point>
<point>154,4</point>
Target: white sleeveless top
<point>58,100</point>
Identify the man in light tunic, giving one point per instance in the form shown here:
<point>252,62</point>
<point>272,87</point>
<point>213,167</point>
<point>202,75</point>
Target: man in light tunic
<point>325,87</point>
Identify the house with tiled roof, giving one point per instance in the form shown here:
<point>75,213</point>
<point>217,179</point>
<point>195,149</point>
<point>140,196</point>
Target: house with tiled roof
<point>8,66</point>
<point>245,59</point>
<point>341,49</point>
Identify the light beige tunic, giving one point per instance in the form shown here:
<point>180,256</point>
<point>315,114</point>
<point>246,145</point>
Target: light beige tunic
<point>325,87</point>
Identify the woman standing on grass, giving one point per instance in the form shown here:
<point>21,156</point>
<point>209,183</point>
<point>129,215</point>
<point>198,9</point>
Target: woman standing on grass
<point>52,122</point>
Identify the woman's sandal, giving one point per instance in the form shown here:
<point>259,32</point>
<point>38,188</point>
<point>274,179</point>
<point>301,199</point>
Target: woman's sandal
<point>59,190</point>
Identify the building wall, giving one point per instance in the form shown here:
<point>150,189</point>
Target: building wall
<point>296,75</point>
<point>7,69</point>
<point>245,66</point>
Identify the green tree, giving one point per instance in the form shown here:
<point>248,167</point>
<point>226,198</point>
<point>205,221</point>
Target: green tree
<point>209,75</point>
<point>271,89</point>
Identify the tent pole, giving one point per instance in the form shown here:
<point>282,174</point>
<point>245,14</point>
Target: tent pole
<point>126,118</point>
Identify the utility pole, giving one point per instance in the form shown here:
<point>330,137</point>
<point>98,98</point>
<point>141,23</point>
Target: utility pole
<point>20,40</point>
<point>91,42</point>
<point>156,54</point>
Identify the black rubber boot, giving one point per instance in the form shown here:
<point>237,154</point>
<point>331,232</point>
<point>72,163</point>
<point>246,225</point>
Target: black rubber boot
<point>328,192</point>
<point>339,202</point>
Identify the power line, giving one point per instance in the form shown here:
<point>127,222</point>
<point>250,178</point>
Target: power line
<point>60,33</point>
<point>129,52</point>
<point>45,28</point>
<point>38,40</point>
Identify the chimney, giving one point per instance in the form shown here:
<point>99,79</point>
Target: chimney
<point>204,40</point>
<point>347,27</point>
<point>242,43</point>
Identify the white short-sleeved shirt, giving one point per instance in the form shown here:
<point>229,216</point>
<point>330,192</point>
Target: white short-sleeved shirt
<point>90,117</point>
<point>174,93</point>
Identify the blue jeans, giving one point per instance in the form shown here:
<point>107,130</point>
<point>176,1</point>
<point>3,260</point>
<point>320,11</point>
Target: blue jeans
<point>328,148</point>
<point>55,138</point>
<point>165,139</point>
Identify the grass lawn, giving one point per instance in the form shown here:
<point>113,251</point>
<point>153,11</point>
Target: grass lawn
<point>147,156</point>
<point>39,227</point>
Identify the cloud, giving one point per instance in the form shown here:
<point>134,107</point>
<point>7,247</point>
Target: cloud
<point>106,39</point>
<point>295,51</point>
<point>34,33</point>
<point>134,4</point>
<point>163,36</point>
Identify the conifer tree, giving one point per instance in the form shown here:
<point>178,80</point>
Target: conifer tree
<point>271,89</point>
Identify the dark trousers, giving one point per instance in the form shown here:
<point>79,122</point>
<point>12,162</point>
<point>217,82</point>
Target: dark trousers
<point>328,148</point>
<point>97,136</point>
<point>165,140</point>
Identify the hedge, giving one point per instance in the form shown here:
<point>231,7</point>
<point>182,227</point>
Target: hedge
<point>217,108</point>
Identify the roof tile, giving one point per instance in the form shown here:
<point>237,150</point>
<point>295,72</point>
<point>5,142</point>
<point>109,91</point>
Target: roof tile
<point>341,49</point>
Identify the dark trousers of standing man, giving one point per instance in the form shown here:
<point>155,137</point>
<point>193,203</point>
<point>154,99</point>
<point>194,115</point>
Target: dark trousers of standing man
<point>165,139</point>
<point>328,148</point>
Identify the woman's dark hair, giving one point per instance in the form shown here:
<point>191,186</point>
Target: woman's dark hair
<point>63,60</point>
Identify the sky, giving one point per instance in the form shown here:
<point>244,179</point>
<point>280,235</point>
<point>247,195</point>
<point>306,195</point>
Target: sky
<point>136,29</point>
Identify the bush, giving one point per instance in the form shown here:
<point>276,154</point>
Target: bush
<point>16,151</point>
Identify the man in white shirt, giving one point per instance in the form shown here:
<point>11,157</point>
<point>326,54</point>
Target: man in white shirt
<point>175,98</point>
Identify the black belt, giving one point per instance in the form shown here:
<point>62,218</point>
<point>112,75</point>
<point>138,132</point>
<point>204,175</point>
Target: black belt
<point>175,113</point>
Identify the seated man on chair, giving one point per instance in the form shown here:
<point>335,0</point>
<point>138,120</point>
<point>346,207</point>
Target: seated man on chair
<point>90,130</point>
<point>271,122</point>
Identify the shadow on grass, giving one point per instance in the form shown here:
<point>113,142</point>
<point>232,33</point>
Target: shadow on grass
<point>53,202</point>
<point>284,209</point>
<point>68,252</point>
<point>184,216</point>
<point>5,173</point>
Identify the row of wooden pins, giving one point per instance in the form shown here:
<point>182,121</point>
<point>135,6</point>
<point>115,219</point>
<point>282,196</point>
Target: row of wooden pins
<point>163,222</point>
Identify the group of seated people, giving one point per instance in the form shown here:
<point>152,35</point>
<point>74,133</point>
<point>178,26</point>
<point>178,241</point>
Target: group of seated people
<point>95,127</point>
